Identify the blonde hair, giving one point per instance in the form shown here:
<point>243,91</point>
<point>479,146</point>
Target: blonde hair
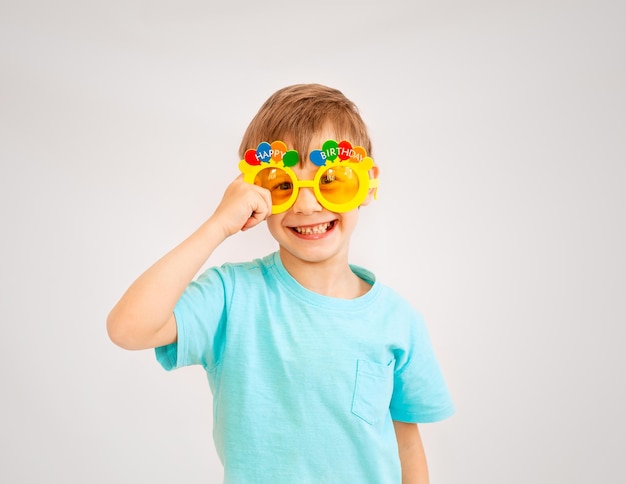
<point>296,113</point>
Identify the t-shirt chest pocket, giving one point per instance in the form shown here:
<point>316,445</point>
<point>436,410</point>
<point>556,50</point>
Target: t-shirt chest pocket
<point>372,391</point>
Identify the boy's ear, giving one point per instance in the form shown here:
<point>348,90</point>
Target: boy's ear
<point>374,171</point>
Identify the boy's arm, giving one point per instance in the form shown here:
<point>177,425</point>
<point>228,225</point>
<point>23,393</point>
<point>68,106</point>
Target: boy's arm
<point>412,456</point>
<point>144,316</point>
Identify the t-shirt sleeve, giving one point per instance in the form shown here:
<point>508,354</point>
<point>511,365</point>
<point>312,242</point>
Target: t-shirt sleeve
<point>200,319</point>
<point>420,392</point>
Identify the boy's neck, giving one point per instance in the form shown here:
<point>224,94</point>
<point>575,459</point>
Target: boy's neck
<point>332,277</point>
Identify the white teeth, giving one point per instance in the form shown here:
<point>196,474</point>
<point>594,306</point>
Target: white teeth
<point>317,229</point>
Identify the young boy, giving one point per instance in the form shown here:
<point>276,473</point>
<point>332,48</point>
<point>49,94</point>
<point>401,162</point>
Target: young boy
<point>319,373</point>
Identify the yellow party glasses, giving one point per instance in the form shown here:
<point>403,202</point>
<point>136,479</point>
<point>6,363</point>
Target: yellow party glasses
<point>341,183</point>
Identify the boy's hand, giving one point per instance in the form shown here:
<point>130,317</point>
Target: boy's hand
<point>243,206</point>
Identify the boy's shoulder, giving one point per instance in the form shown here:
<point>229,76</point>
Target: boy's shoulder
<point>262,264</point>
<point>269,268</point>
<point>387,291</point>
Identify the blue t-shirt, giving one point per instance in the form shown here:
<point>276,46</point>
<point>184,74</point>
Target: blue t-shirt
<point>305,386</point>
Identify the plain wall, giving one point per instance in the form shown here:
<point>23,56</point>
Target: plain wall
<point>499,128</point>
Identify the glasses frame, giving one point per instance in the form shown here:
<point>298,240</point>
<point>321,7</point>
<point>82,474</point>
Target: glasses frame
<point>361,168</point>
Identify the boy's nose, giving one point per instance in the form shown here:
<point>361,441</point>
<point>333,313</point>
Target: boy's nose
<point>306,203</point>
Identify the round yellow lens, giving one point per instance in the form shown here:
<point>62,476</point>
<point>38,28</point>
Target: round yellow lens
<point>278,182</point>
<point>339,184</point>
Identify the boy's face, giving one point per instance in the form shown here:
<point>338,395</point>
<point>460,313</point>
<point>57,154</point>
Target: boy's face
<point>308,231</point>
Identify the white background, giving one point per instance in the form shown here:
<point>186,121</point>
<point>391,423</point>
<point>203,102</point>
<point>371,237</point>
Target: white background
<point>500,131</point>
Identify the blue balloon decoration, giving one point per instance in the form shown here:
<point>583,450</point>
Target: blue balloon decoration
<point>318,158</point>
<point>264,152</point>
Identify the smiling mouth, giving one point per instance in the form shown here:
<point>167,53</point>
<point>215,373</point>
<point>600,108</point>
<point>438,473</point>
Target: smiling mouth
<point>314,229</point>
